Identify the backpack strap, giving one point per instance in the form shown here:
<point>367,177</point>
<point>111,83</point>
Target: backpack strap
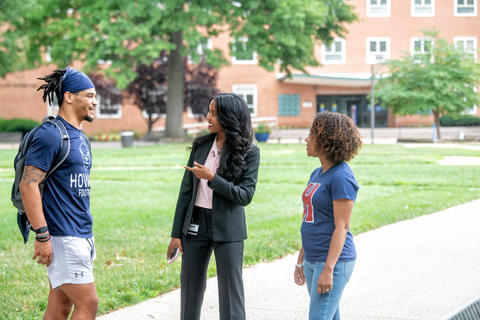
<point>89,145</point>
<point>64,147</point>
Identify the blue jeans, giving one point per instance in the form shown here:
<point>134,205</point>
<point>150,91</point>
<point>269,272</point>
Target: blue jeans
<point>325,306</point>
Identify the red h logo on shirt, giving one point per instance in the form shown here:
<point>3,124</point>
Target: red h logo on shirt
<point>307,202</point>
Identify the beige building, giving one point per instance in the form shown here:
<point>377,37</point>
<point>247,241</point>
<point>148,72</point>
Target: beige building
<point>386,29</point>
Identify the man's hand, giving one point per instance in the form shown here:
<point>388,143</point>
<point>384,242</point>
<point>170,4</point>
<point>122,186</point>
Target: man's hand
<point>201,172</point>
<point>43,251</point>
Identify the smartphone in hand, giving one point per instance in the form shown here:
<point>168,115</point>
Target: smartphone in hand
<point>173,256</point>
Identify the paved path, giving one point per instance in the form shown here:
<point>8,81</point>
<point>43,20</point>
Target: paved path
<point>417,269</point>
<point>381,136</point>
<point>386,135</point>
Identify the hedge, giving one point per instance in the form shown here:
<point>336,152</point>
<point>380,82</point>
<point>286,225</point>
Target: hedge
<point>459,120</point>
<point>3,124</point>
<point>18,124</point>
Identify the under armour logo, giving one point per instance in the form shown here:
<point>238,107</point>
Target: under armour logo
<point>79,274</point>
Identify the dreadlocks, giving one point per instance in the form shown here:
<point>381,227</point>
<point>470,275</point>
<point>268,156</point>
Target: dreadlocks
<point>52,86</point>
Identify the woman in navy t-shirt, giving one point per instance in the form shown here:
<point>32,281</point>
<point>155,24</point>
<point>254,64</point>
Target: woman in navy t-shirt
<point>328,255</point>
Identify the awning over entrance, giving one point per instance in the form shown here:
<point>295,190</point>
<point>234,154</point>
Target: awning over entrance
<point>355,80</point>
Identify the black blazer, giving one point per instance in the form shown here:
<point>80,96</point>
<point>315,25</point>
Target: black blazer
<point>229,199</point>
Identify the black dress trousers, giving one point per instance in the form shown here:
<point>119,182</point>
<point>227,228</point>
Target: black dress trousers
<point>197,250</point>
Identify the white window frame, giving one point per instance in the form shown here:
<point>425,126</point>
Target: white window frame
<point>192,115</point>
<point>457,14</point>
<point>343,52</point>
<point>371,57</point>
<point>465,39</point>
<point>244,61</point>
<point>200,49</point>
<point>243,89</point>
<point>378,15</point>
<point>472,110</point>
<point>423,39</point>
<point>48,57</point>
<point>154,115</point>
<point>157,115</point>
<point>117,115</point>
<point>102,62</point>
<point>430,14</point>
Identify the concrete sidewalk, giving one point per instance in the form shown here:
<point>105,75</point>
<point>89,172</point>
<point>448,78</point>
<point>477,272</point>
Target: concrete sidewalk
<point>417,269</point>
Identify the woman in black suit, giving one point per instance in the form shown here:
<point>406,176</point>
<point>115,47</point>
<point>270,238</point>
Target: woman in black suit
<point>219,180</point>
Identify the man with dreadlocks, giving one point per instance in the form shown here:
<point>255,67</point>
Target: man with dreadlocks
<point>61,217</point>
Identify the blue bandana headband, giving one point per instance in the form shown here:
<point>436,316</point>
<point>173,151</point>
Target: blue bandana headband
<point>75,81</point>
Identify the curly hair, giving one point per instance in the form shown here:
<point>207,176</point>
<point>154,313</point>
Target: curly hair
<point>234,117</point>
<point>53,86</point>
<point>336,136</point>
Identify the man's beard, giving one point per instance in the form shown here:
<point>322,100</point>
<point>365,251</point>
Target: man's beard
<point>88,118</point>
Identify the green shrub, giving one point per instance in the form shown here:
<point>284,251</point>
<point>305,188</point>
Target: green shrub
<point>3,124</point>
<point>262,128</point>
<point>23,125</point>
<point>460,120</point>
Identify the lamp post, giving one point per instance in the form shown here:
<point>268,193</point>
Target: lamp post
<point>378,61</point>
<point>372,104</point>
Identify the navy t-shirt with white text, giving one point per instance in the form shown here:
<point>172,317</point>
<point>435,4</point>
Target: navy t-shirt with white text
<point>66,193</point>
<point>323,188</point>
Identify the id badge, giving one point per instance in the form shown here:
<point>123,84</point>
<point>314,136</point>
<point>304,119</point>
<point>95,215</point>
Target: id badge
<point>193,229</point>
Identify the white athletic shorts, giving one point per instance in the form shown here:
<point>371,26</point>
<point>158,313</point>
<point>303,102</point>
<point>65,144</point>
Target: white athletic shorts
<point>72,261</point>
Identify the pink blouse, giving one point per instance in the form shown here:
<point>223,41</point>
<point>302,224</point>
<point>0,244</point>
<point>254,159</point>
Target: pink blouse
<point>204,192</point>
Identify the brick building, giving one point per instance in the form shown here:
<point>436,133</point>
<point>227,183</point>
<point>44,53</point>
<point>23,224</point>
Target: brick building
<point>386,29</point>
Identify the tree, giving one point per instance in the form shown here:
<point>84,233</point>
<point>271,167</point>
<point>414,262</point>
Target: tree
<point>131,33</point>
<point>149,88</point>
<point>200,85</point>
<point>441,81</point>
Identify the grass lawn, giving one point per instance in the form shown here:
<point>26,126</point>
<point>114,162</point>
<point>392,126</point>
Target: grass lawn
<point>134,193</point>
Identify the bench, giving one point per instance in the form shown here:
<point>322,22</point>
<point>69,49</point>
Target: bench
<point>288,136</point>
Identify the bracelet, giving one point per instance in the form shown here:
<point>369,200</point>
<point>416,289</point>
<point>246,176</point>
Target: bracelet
<point>41,230</point>
<point>43,237</point>
<point>299,265</point>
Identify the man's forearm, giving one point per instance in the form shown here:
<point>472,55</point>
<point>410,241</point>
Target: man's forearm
<point>32,202</point>
<point>31,198</point>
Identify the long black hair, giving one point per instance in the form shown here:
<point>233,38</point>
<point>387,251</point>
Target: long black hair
<point>52,87</point>
<point>234,117</point>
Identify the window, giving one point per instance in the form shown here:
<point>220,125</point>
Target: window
<point>107,110</point>
<point>378,50</point>
<point>247,92</point>
<point>465,8</point>
<point>420,45</point>
<point>473,110</point>
<point>48,57</point>
<point>205,44</point>
<point>242,54</point>
<point>334,53</point>
<point>107,52</point>
<point>156,97</point>
<point>468,44</point>
<point>378,8</point>
<point>288,104</point>
<point>423,8</point>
